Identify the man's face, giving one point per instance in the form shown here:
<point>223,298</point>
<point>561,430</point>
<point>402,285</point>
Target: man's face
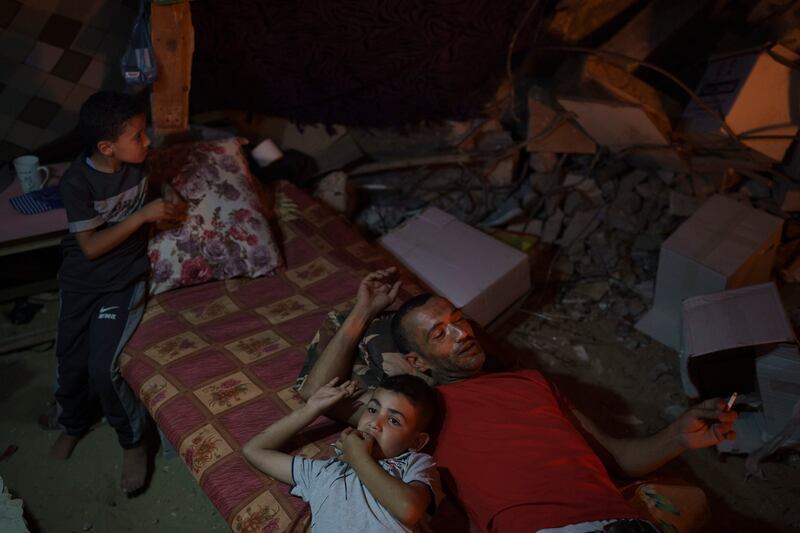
<point>132,144</point>
<point>392,421</point>
<point>445,341</point>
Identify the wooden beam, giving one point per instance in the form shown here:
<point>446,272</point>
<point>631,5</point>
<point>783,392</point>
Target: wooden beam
<point>173,44</point>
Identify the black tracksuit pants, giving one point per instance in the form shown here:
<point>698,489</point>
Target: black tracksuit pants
<point>93,328</point>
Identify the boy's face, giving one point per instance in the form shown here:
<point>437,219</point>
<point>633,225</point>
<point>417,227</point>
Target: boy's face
<point>392,421</point>
<point>131,145</point>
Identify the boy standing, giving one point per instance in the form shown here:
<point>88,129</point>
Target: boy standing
<point>103,275</point>
<point>379,481</point>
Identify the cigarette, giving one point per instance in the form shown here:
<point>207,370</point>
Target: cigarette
<point>731,401</point>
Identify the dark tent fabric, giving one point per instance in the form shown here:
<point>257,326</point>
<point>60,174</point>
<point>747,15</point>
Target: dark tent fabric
<point>353,62</point>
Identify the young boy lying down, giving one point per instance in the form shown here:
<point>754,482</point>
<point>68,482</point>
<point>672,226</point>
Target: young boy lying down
<point>379,480</point>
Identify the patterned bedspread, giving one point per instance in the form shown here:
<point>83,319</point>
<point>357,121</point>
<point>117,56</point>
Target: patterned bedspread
<point>215,363</point>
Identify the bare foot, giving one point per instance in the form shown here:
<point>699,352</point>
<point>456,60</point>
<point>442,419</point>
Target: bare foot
<point>63,446</point>
<point>134,469</point>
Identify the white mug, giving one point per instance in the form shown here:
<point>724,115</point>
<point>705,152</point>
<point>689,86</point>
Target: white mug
<point>266,152</point>
<point>28,172</point>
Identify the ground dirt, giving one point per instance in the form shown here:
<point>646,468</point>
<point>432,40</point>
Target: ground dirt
<point>624,390</point>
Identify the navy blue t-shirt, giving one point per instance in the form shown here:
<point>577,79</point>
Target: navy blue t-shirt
<point>97,200</point>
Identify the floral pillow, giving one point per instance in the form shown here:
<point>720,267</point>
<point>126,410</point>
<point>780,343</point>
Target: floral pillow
<point>225,233</point>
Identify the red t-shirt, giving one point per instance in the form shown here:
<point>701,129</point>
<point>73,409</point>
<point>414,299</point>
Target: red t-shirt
<point>517,461</point>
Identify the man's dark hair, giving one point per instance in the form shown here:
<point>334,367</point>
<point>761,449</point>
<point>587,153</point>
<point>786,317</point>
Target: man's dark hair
<point>103,116</point>
<point>401,338</point>
<point>420,394</point>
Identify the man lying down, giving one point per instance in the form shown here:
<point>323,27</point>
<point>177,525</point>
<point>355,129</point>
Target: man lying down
<point>511,444</point>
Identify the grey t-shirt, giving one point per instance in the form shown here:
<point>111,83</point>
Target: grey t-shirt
<point>98,200</point>
<point>339,500</point>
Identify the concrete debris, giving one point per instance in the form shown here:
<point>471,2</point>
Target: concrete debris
<point>667,176</point>
<point>544,162</point>
<point>572,203</point>
<point>681,205</point>
<point>581,225</point>
<point>791,202</point>
<point>552,227</point>
<point>502,172</point>
<point>756,190</point>
<point>532,227</point>
<point>11,512</point>
<point>658,371</point>
<point>581,353</point>
<point>333,191</point>
<point>572,179</point>
<point>595,291</point>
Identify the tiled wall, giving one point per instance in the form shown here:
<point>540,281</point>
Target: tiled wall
<point>53,55</point>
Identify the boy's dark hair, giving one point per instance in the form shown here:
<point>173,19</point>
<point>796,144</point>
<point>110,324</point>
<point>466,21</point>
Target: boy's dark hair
<point>404,343</point>
<point>420,394</point>
<point>103,116</point>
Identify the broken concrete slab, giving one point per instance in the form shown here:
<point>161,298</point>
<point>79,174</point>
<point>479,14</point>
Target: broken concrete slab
<point>623,85</point>
<point>550,129</point>
<point>615,125</point>
<point>651,27</point>
<point>574,20</point>
<point>754,92</point>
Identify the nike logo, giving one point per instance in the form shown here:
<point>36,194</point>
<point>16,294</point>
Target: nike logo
<point>107,309</point>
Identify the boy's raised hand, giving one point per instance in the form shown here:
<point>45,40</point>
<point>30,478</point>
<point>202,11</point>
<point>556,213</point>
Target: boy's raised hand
<point>172,196</point>
<point>159,210</point>
<point>354,444</point>
<point>330,393</point>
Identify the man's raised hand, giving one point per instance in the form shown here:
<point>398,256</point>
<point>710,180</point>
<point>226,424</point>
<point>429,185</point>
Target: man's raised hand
<point>377,291</point>
<point>330,393</point>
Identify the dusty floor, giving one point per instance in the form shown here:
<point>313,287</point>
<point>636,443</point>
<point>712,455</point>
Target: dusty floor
<point>627,391</point>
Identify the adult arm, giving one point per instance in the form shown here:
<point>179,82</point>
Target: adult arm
<point>95,243</point>
<point>375,293</point>
<point>406,502</point>
<point>704,425</point>
<point>263,450</point>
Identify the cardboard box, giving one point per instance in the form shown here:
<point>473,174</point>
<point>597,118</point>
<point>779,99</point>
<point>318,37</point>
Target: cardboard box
<point>779,384</point>
<point>727,335</point>
<point>475,271</point>
<point>756,92</point>
<point>724,245</point>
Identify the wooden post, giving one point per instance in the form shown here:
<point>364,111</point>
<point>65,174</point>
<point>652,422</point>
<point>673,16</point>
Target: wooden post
<point>173,44</point>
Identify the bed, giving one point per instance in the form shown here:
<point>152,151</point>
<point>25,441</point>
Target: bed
<point>216,363</point>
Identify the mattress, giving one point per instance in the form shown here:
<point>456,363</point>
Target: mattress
<point>215,363</point>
